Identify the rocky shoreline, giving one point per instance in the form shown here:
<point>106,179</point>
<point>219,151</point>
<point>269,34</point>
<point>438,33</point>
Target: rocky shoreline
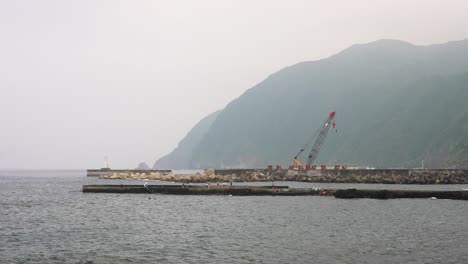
<point>385,176</point>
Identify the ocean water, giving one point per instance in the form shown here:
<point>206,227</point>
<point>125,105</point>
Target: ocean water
<point>45,218</point>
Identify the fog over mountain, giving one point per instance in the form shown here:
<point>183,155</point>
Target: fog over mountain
<point>397,104</point>
<point>181,157</point>
<point>81,80</point>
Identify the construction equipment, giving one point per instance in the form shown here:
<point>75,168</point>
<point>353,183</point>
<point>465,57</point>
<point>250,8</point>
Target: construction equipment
<point>322,134</point>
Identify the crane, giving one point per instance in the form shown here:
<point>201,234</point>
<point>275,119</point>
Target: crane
<point>322,134</point>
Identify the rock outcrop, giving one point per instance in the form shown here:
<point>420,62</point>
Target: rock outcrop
<point>143,166</point>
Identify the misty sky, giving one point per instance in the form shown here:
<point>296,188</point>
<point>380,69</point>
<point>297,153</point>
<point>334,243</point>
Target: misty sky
<point>128,79</point>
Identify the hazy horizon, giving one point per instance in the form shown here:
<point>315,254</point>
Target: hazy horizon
<point>86,79</point>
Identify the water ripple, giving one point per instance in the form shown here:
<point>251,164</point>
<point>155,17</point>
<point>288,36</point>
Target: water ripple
<point>44,219</point>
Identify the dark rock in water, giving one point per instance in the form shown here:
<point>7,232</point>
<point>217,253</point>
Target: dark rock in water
<point>393,194</point>
<point>143,166</point>
<point>347,194</point>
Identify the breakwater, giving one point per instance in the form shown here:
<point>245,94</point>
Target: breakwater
<point>275,191</point>
<point>106,172</point>
<point>200,189</point>
<point>385,176</point>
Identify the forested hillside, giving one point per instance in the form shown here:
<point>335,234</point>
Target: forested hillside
<point>396,104</point>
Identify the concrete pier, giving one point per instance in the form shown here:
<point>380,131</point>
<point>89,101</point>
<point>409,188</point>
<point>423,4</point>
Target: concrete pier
<point>274,191</point>
<point>199,189</point>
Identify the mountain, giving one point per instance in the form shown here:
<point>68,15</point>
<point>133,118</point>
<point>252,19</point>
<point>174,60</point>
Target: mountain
<point>142,166</point>
<point>181,157</point>
<point>397,104</point>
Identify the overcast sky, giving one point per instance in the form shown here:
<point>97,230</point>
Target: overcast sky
<point>84,79</point>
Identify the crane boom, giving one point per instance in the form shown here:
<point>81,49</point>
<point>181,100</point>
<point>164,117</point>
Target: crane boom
<point>320,139</point>
<point>322,134</point>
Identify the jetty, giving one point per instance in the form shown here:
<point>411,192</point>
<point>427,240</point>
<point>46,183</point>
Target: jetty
<point>323,175</point>
<point>107,172</point>
<point>187,189</point>
<point>199,189</point>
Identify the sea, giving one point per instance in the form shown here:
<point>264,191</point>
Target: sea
<point>45,218</point>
